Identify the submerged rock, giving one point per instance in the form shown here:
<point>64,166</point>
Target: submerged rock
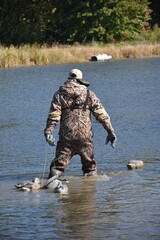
<point>135,164</point>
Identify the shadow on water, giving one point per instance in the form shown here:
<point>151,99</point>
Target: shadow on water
<point>116,204</point>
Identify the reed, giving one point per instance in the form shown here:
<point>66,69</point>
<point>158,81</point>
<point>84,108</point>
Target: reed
<point>27,55</point>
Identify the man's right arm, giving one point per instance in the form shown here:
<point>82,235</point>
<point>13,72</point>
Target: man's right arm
<point>103,117</point>
<point>100,113</point>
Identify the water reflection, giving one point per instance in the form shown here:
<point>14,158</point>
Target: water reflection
<point>78,210</point>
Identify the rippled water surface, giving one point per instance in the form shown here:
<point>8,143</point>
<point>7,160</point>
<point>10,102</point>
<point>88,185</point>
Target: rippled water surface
<point>118,204</point>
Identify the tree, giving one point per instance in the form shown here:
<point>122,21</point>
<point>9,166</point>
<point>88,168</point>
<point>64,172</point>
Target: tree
<point>24,21</point>
<point>66,21</point>
<point>155,6</point>
<point>99,20</point>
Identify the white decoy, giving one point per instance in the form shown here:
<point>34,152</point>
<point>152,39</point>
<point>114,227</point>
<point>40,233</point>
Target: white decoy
<point>62,187</point>
<point>57,185</point>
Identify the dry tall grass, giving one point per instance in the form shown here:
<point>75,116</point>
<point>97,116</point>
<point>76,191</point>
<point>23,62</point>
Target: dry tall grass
<point>42,55</point>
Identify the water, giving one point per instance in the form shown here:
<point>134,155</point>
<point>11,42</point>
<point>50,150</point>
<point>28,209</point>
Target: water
<point>117,204</point>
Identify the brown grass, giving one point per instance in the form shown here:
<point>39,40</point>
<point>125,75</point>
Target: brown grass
<point>42,55</point>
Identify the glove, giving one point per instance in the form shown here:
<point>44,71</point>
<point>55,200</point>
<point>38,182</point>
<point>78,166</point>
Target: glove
<point>50,139</point>
<point>111,138</point>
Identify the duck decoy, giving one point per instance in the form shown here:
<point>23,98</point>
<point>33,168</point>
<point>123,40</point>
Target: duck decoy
<point>62,187</point>
<point>57,185</point>
<point>33,185</point>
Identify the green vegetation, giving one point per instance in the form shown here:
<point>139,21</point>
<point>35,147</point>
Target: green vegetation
<point>40,32</point>
<point>152,35</point>
<point>69,21</point>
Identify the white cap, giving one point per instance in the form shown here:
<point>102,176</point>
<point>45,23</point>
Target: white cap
<point>75,73</point>
<point>78,75</point>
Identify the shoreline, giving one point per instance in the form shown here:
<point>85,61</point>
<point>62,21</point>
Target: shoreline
<point>37,55</point>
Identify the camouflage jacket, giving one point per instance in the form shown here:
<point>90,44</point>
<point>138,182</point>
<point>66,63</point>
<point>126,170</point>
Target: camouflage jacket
<point>72,105</point>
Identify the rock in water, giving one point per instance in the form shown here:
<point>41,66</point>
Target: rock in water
<point>135,164</point>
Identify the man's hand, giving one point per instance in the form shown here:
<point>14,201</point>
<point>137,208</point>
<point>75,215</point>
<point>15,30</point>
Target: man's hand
<point>50,139</point>
<point>111,138</point>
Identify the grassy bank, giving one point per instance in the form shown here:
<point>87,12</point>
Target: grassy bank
<point>42,55</point>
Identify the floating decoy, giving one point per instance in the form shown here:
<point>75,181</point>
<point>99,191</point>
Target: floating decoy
<point>33,185</point>
<point>53,183</point>
<point>57,185</point>
<point>62,187</point>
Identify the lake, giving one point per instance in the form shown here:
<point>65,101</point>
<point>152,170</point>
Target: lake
<point>118,204</point>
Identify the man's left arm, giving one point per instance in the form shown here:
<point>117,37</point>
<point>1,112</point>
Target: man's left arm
<point>103,117</point>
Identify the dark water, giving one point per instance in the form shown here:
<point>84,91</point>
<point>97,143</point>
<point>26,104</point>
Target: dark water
<point>117,204</point>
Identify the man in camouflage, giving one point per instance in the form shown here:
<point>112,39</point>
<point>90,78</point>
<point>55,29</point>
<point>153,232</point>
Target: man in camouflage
<point>72,105</point>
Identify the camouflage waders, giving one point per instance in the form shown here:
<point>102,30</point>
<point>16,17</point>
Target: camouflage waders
<point>72,105</point>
